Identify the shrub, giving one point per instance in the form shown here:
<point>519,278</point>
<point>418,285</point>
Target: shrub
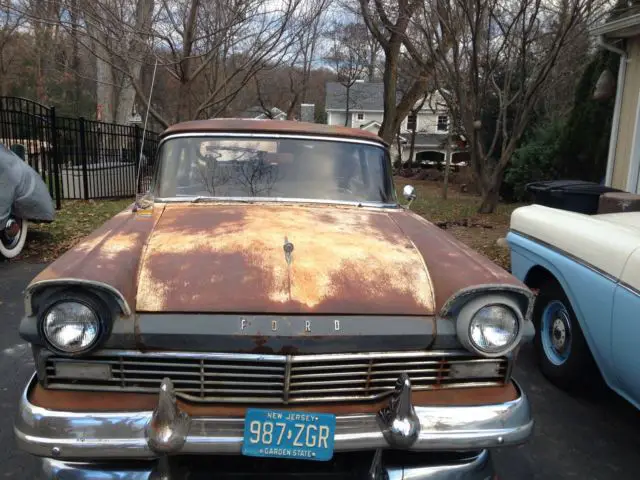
<point>534,160</point>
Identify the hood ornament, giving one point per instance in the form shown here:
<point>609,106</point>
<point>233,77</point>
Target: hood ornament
<point>288,250</point>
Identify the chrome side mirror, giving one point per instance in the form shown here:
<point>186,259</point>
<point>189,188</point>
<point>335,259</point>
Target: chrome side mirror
<point>409,193</point>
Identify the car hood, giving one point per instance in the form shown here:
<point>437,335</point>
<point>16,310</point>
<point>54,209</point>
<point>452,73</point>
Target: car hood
<point>232,258</point>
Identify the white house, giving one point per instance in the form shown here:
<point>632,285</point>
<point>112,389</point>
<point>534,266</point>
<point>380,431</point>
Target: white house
<point>366,110</point>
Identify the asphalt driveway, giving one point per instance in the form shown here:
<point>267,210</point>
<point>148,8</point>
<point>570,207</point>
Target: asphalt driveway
<point>587,438</point>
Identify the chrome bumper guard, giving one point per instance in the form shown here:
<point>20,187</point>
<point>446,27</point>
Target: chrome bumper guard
<point>96,437</point>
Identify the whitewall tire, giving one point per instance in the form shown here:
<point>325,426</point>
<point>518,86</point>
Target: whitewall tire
<point>11,246</point>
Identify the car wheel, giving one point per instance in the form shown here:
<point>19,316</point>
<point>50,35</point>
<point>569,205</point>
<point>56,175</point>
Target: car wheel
<point>562,350</point>
<point>13,237</point>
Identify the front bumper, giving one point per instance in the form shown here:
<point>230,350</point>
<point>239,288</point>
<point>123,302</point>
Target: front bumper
<point>472,466</point>
<point>95,436</point>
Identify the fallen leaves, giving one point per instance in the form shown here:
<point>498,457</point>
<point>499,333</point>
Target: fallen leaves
<point>76,219</point>
<point>458,216</point>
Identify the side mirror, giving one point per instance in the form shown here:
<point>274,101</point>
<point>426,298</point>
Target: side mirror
<point>409,193</point>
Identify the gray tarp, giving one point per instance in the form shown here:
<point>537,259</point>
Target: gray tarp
<point>22,191</point>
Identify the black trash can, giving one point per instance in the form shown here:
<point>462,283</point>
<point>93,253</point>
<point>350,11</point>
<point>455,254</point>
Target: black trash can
<point>573,195</point>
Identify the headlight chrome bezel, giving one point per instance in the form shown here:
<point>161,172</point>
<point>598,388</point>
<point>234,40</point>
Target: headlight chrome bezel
<point>467,314</point>
<point>99,310</point>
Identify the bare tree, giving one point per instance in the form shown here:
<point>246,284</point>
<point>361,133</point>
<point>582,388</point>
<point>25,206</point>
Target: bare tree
<point>392,24</point>
<point>348,56</point>
<point>502,60</point>
<point>208,50</point>
<point>10,22</point>
<point>118,35</point>
<point>304,35</point>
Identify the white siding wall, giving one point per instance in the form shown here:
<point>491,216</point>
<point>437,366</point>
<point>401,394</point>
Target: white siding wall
<point>335,118</point>
<point>368,117</point>
<point>427,123</point>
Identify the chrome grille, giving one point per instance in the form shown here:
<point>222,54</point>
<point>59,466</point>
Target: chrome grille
<point>244,378</point>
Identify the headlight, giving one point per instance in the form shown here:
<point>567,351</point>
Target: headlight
<point>71,327</point>
<point>490,325</point>
<point>493,328</point>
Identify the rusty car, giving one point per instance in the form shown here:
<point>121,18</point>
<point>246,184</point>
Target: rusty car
<point>270,308</point>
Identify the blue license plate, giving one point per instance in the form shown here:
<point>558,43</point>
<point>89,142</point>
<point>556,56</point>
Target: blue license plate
<point>283,434</point>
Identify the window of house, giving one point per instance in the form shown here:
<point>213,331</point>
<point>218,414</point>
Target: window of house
<point>443,123</point>
<point>360,116</point>
<point>412,122</point>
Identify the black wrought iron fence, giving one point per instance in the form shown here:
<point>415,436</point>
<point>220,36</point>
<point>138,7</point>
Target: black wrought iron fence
<point>79,158</point>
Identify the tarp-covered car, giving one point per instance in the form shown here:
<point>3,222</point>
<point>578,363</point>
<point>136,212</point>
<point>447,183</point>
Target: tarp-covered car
<point>23,198</point>
<point>269,310</point>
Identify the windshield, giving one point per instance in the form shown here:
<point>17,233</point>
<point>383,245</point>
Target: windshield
<point>295,168</point>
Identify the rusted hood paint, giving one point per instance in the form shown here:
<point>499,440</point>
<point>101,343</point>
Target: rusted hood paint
<point>231,258</point>
<point>452,265</point>
<point>110,254</point>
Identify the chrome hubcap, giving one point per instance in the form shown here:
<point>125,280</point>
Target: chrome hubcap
<point>559,334</point>
<point>555,332</point>
<point>11,233</point>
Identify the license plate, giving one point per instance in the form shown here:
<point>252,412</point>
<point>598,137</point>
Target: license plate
<point>283,434</point>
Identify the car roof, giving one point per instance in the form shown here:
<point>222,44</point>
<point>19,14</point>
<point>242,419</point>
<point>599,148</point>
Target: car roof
<point>242,125</point>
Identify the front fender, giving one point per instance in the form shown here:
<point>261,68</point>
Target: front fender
<point>590,292</point>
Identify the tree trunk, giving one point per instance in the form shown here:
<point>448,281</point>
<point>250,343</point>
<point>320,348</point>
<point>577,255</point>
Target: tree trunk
<point>346,115</point>
<point>371,67</point>
<point>490,200</point>
<point>104,77</point>
<point>126,99</point>
<point>413,144</point>
<point>491,192</point>
<point>390,79</point>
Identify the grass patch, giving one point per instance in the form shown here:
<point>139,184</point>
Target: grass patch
<point>76,219</point>
<point>456,215</point>
<point>459,216</point>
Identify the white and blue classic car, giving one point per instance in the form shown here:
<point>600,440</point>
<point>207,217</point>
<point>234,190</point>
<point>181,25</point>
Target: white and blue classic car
<point>586,271</point>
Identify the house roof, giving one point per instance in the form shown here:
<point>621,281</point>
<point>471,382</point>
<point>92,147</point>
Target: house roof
<point>370,123</point>
<point>623,27</point>
<point>257,111</point>
<point>243,125</point>
<point>362,96</point>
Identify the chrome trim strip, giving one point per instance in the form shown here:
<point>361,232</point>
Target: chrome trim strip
<point>277,136</point>
<point>193,198</point>
<point>629,288</point>
<point>122,302</point>
<point>95,436</point>
<point>258,357</point>
<point>579,261</point>
<point>477,467</point>
<point>494,288</point>
<point>591,267</point>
